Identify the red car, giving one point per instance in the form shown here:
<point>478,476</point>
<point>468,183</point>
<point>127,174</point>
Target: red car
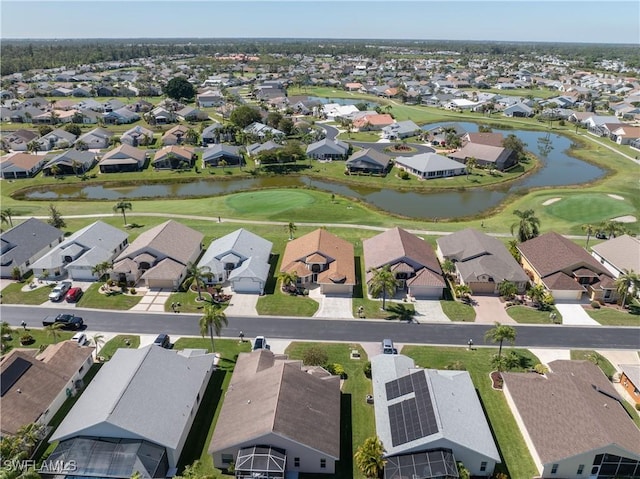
<point>73,295</point>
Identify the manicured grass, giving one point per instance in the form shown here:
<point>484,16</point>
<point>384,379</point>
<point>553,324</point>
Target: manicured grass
<point>188,302</point>
<point>227,348</point>
<point>517,461</point>
<point>280,304</point>
<point>457,311</point>
<point>41,336</point>
<point>120,341</point>
<point>527,315</point>
<point>354,391</point>
<point>589,208</point>
<point>13,294</point>
<point>610,316</point>
<point>93,298</point>
<point>270,202</point>
<point>368,136</point>
<point>603,363</point>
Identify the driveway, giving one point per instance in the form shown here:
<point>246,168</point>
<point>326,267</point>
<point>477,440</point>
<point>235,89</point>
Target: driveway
<point>548,355</point>
<point>153,300</point>
<point>490,309</point>
<point>336,307</point>
<point>429,310</point>
<point>575,315</point>
<point>242,304</point>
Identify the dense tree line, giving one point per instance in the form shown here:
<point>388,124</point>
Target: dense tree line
<point>24,55</point>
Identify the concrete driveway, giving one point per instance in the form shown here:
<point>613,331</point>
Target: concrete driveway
<point>429,310</point>
<point>337,307</point>
<point>242,304</point>
<point>575,315</point>
<point>153,300</point>
<point>490,309</point>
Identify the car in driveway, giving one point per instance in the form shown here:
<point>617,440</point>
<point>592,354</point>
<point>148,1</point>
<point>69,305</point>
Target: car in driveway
<point>260,343</point>
<point>163,340</point>
<point>59,291</point>
<point>80,338</point>
<point>73,295</point>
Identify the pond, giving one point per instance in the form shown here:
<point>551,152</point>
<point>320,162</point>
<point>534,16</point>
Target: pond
<point>557,169</point>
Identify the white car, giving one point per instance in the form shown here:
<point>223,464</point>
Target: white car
<point>59,291</point>
<point>260,343</point>
<point>80,338</point>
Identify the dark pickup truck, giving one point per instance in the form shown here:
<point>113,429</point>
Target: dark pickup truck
<point>69,321</point>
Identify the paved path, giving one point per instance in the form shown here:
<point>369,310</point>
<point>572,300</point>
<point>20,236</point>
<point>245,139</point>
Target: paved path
<point>152,301</point>
<point>429,310</point>
<point>548,355</point>
<point>574,314</point>
<point>490,309</point>
<point>332,307</point>
<point>609,147</point>
<point>242,304</point>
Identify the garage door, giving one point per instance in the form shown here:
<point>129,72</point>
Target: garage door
<point>564,295</point>
<point>482,288</point>
<point>340,289</point>
<point>425,292</point>
<point>246,285</point>
<point>81,275</point>
<point>160,283</point>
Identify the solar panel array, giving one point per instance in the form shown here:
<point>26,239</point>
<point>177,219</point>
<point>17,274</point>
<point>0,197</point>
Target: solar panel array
<point>414,417</point>
<point>14,371</point>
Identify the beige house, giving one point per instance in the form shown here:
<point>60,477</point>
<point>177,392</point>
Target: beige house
<point>321,258</point>
<point>159,256</point>
<point>278,417</point>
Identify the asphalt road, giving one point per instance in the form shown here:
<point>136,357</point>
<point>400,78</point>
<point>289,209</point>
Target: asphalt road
<point>354,330</point>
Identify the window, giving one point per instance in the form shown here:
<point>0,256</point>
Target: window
<point>323,463</point>
<point>580,469</point>
<point>227,458</point>
<point>483,466</point>
<point>296,462</point>
<point>198,399</point>
<point>554,469</point>
<point>81,368</point>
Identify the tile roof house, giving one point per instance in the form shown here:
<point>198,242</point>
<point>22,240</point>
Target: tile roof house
<point>139,408</point>
<point>482,262</point>
<point>430,165</point>
<point>26,243</point>
<point>573,422</point>
<point>368,161</point>
<point>19,139</point>
<point>328,150</point>
<point>173,157</point>
<point>400,130</point>
<point>491,139</point>
<point>291,415</point>
<point>242,258</point>
<point>98,138</point>
<point>566,269</point>
<point>486,155</point>
<point>55,139</point>
<point>618,254</point>
<point>122,158</point>
<point>428,420</point>
<point>79,253</point>
<point>410,258</point>
<point>137,136</point>
<point>70,162</point>
<point>216,154</point>
<point>373,122</point>
<point>159,256</point>
<point>21,165</point>
<point>175,135</point>
<point>321,258</point>
<point>35,385</point>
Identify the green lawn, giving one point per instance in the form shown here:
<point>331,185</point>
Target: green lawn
<point>574,208</point>
<point>93,298</point>
<point>457,311</point>
<point>603,363</point>
<point>189,303</point>
<point>281,304</point>
<point>354,405</point>
<point>129,341</point>
<point>527,315</point>
<point>13,294</point>
<point>517,461</point>
<point>41,336</point>
<point>611,316</point>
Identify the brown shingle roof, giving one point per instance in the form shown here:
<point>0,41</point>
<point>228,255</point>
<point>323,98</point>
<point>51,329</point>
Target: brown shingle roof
<point>491,139</point>
<point>23,160</point>
<point>565,413</point>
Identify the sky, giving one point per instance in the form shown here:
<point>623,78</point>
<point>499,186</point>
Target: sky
<point>584,21</point>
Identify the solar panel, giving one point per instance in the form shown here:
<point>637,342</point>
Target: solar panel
<point>14,371</point>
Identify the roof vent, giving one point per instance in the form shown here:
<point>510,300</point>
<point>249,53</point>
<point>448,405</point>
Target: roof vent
<point>249,401</point>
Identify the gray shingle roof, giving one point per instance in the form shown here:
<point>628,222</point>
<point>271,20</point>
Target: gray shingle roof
<point>26,239</point>
<point>426,162</point>
<point>622,252</point>
<point>244,244</point>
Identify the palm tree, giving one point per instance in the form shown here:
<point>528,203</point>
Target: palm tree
<point>291,229</point>
<point>288,279</point>
<point>462,291</point>
<point>53,331</point>
<point>369,457</point>
<point>212,321</point>
<point>449,267</point>
<point>513,249</point>
<point>197,274</point>
<point>507,289</point>
<point>5,332</point>
<point>590,230</point>
<point>627,282</point>
<point>402,313</point>
<point>612,228</point>
<point>382,282</point>
<point>122,206</point>
<point>55,170</point>
<point>499,334</point>
<point>537,293</point>
<point>528,226</point>
<point>6,216</point>
<point>471,164</point>
<point>100,269</point>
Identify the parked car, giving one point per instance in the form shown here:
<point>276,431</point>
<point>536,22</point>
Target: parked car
<point>163,340</point>
<point>260,343</point>
<point>80,338</point>
<point>73,295</point>
<point>68,321</point>
<point>387,347</point>
<point>59,291</point>
<point>601,235</point>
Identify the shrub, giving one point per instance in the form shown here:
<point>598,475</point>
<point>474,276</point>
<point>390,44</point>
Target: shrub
<point>336,368</point>
<point>638,407</point>
<point>26,339</point>
<point>132,291</point>
<point>595,305</point>
<point>541,368</point>
<point>404,175</point>
<point>456,366</point>
<point>315,356</point>
<point>367,369</point>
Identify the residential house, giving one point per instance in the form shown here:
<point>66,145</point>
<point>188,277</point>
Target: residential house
<point>327,149</point>
<point>256,148</point>
<point>162,116</point>
<point>411,260</point>
<point>574,422</point>
<point>335,111</point>
<point>56,139</point>
<point>35,385</point>
<point>290,423</point>
<point>219,153</point>
<point>490,156</point>
<point>19,140</point>
<point>375,122</point>
<point>519,110</point>
<point>321,258</point>
<point>137,136</point>
<point>624,135</point>
<point>121,159</point>
<point>21,165</point>
<point>211,134</point>
<point>369,161</point>
<point>430,165</point>
<point>96,139</point>
<point>400,130</point>
<point>188,113</point>
<point>70,162</point>
<point>159,256</point>
<point>173,157</point>
<point>139,408</point>
<point>482,262</point>
<point>175,136</point>
<point>210,98</point>
<point>242,258</point>
<point>630,381</point>
<point>428,420</point>
<point>565,269</point>
<point>76,256</point>
<point>25,243</point>
<point>260,130</point>
<point>120,116</point>
<point>618,254</point>
<point>491,139</point>
<point>596,124</point>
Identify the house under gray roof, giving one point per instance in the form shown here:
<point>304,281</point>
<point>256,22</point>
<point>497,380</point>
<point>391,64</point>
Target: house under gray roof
<point>429,162</point>
<point>368,159</point>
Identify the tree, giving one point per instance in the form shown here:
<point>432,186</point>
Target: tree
<point>513,249</point>
<point>288,279</point>
<point>197,274</point>
<point>612,228</point>
<point>100,269</point>
<point>274,118</point>
<point>16,274</point>
<point>471,164</point>
<point>55,170</point>
<point>383,282</point>
<point>212,321</point>
<point>73,129</point>
<point>627,283</point>
<point>463,472</point>
<point>33,146</point>
<point>5,333</point>
<point>462,291</point>
<point>537,293</point>
<point>291,229</point>
<point>590,230</point>
<point>55,218</point>
<point>53,331</point>
<point>369,458</point>
<point>179,88</point>
<point>512,142</point>
<point>6,216</point>
<point>191,136</point>
<point>499,334</point>
<point>449,267</point>
<point>244,115</point>
<point>507,289</point>
<point>122,206</point>
<point>315,355</point>
<point>528,225</point>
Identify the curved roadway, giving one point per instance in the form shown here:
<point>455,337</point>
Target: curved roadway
<point>332,132</point>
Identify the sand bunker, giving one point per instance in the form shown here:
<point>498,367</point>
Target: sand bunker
<point>616,197</point>
<point>626,219</point>
<point>550,201</point>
